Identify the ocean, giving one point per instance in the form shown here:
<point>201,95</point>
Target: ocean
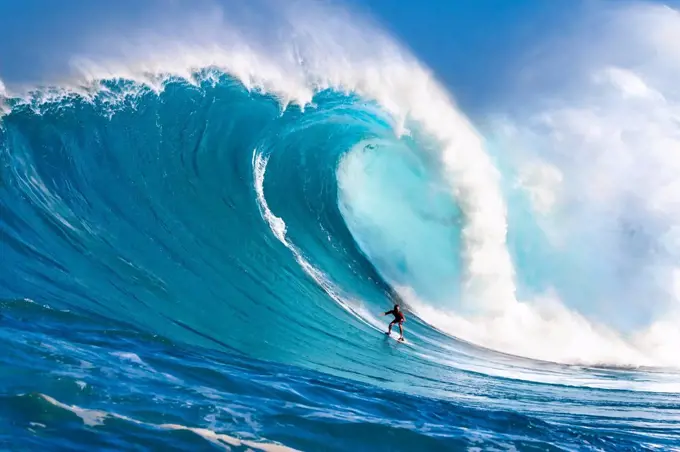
<point>202,260</point>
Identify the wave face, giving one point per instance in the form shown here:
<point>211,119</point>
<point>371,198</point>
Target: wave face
<point>196,257</point>
<point>167,189</point>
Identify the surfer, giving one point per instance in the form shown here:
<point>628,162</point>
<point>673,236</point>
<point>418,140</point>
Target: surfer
<point>398,318</point>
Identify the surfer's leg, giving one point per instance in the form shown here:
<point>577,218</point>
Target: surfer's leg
<point>401,331</point>
<point>389,328</point>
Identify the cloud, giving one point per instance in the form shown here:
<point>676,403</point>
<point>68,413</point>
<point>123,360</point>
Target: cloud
<point>596,149</point>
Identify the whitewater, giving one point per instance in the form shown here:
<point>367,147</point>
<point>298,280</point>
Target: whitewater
<point>201,230</point>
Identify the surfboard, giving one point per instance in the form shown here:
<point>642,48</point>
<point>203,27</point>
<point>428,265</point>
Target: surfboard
<point>395,338</point>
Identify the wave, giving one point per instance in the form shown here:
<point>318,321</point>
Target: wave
<point>93,418</point>
<point>264,200</point>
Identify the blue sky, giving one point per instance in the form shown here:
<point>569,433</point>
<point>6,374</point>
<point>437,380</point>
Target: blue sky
<point>468,43</point>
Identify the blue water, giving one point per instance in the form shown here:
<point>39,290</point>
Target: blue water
<point>187,269</point>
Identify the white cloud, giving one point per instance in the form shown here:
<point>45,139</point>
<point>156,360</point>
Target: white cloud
<point>542,182</point>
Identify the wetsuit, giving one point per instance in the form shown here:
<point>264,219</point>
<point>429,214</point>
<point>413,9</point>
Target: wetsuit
<point>398,316</point>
